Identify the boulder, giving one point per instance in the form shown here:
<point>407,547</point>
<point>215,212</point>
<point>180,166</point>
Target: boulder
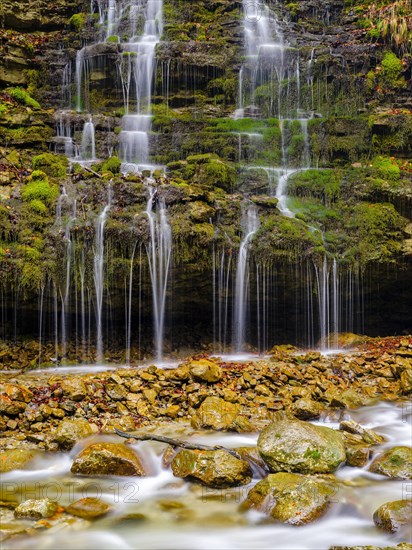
<point>391,516</point>
<point>305,409</point>
<point>36,509</point>
<point>74,388</point>
<point>291,498</point>
<point>15,459</point>
<point>88,508</point>
<point>368,436</point>
<point>406,381</point>
<point>290,445</point>
<point>69,432</point>
<point>357,451</point>
<point>205,370</point>
<point>212,468</point>
<point>395,463</point>
<point>108,459</point>
<point>216,414</point>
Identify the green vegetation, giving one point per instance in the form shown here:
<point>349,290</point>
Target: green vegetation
<point>53,165</point>
<point>39,189</point>
<point>23,97</point>
<point>112,165</point>
<point>77,21</point>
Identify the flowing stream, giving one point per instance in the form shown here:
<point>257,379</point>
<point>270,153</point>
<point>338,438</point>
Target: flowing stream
<point>164,512</point>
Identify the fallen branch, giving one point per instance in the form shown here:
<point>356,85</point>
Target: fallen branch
<point>176,442</point>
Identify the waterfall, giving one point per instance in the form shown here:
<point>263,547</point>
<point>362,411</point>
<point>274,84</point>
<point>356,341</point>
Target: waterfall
<point>98,274</point>
<point>88,148</point>
<point>251,225</point>
<point>137,72</point>
<point>159,253</point>
<point>129,307</point>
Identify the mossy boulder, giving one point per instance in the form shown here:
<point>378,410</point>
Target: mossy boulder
<point>15,459</point>
<point>395,463</point>
<point>212,468</point>
<point>88,508</point>
<point>392,516</point>
<point>108,459</point>
<point>205,370</point>
<point>290,445</point>
<point>291,498</point>
<point>216,414</point>
<point>36,509</point>
<point>306,409</point>
<point>70,431</point>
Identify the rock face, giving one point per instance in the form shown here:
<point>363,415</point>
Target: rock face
<point>395,463</point>
<point>69,432</point>
<point>108,459</point>
<point>290,498</point>
<point>391,516</point>
<point>15,459</point>
<point>205,370</point>
<point>88,508</point>
<point>212,468</point>
<point>217,414</point>
<point>36,509</point>
<point>289,445</point>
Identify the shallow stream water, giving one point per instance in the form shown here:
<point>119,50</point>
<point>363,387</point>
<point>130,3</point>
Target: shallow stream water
<point>164,512</point>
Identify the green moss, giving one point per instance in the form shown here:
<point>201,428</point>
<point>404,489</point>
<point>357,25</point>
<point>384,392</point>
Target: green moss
<point>321,184</point>
<point>23,97</point>
<point>53,165</point>
<point>112,165</point>
<point>38,206</point>
<point>77,21</point>
<point>387,169</point>
<point>40,190</point>
<point>391,71</point>
<point>113,39</point>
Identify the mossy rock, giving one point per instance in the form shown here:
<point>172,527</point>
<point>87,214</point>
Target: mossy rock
<point>290,445</point>
<point>212,468</point>
<point>113,459</point>
<point>291,498</point>
<point>392,516</point>
<point>53,165</point>
<point>70,431</point>
<point>395,463</point>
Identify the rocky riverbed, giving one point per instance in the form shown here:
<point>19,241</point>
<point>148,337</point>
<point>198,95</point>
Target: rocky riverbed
<point>294,439</point>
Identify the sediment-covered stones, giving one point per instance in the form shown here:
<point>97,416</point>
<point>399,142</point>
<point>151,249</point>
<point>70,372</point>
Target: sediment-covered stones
<point>216,414</point>
<point>69,432</point>
<point>36,509</point>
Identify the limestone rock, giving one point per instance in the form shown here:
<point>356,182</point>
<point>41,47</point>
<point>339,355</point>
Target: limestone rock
<point>216,414</point>
<point>108,459</point>
<point>36,509</point>
<point>205,370</point>
<point>396,463</point>
<point>290,445</point>
<point>391,516</point>
<point>291,498</point>
<point>212,468</point>
<point>69,432</point>
<point>74,388</point>
<point>15,459</point>
<point>88,508</point>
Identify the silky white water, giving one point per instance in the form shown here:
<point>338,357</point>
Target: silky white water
<point>164,512</point>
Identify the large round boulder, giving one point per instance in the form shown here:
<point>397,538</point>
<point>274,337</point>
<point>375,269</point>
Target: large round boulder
<point>396,463</point>
<point>392,516</point>
<point>212,468</point>
<point>108,459</point>
<point>290,445</point>
<point>291,498</point>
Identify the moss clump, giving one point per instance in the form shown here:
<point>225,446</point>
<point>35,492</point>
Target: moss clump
<point>387,169</point>
<point>53,165</point>
<point>38,206</point>
<point>391,71</point>
<point>77,21</point>
<point>211,171</point>
<point>39,189</point>
<point>23,97</point>
<point>321,184</point>
<point>113,39</point>
<point>112,165</point>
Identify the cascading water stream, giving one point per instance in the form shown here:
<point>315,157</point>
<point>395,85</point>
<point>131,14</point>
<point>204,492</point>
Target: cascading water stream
<point>159,252</point>
<point>251,225</point>
<point>88,147</point>
<point>98,274</point>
